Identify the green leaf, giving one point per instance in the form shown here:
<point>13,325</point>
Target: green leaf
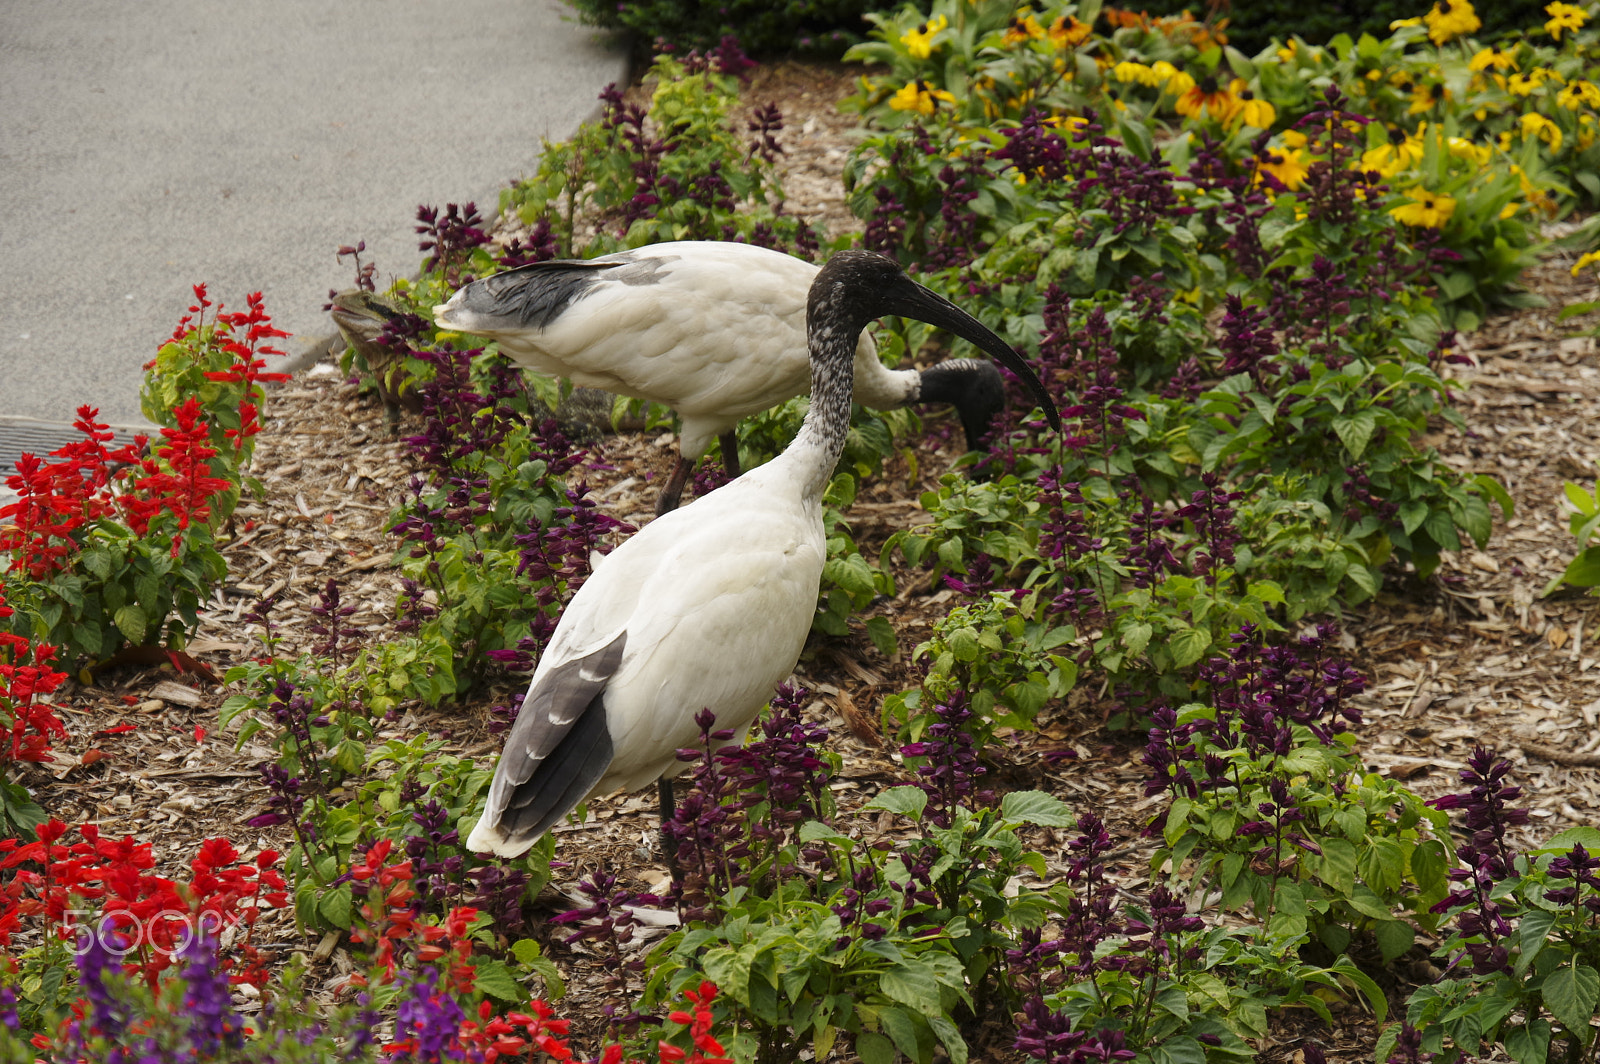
<point>908,801</point>
<point>1394,938</point>
<point>496,980</point>
<point>1563,842</point>
<point>950,1035</point>
<point>902,1028</point>
<point>1428,864</point>
<point>1179,1050</point>
<point>912,983</point>
<point>1584,570</point>
<point>335,906</point>
<point>874,1048</point>
<point>1187,645</point>
<point>1037,807</point>
<point>1570,993</point>
<point>1528,1043</point>
<point>730,970</point>
<point>1355,431</point>
<point>882,634</point>
<point>130,621</point>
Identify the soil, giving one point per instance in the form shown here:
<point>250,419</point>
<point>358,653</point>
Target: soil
<point>1474,655</point>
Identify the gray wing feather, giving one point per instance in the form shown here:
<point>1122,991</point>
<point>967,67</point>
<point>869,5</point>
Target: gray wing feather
<point>559,747</point>
<point>537,293</point>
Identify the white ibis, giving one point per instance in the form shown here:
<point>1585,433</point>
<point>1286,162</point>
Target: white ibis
<point>716,330</point>
<point>708,606</point>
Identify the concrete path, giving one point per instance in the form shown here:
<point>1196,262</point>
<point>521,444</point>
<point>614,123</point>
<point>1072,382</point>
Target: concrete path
<point>146,145</point>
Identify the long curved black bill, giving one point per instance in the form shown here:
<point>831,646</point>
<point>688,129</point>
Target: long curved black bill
<point>910,300</point>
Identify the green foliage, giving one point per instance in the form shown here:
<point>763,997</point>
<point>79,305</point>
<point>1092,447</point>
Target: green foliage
<point>883,945</point>
<point>1365,847</point>
<point>685,171</point>
<point>992,650</point>
<point>1526,973</point>
<point>1583,521</point>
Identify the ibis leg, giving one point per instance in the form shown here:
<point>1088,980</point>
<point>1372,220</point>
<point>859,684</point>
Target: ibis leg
<point>672,491</point>
<point>730,452</point>
<point>668,807</point>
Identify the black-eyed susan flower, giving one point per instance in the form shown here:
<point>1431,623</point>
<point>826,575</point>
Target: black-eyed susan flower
<point>1022,28</point>
<point>1578,93</point>
<point>1286,163</point>
<point>1564,17</point>
<point>1401,153</point>
<point>1537,125</point>
<point>919,41</point>
<point>1493,58</point>
<point>1588,258</point>
<point>1450,19</point>
<point>1250,110</point>
<point>1427,97</point>
<point>1207,95</point>
<point>1426,209</point>
<point>920,97</point>
<point>1525,84</point>
<point>1067,32</point>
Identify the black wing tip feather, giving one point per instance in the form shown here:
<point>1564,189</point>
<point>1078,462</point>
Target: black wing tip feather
<point>557,751</point>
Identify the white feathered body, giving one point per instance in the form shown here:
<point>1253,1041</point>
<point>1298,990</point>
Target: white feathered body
<point>716,600</point>
<point>715,330</point>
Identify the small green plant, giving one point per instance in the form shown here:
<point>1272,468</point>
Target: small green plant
<point>1521,953</point>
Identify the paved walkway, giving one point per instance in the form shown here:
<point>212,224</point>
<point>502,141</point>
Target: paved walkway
<point>146,145</point>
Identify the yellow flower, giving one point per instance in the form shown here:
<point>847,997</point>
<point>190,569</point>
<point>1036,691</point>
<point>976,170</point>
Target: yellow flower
<point>1293,138</point>
<point>1130,71</point>
<point>1207,96</point>
<point>1426,97</point>
<point>1578,93</point>
<point>1493,58</point>
<point>1023,28</point>
<point>1563,17</point>
<point>1586,131</point>
<point>1426,209</point>
<point>1450,19</point>
<point>1068,32</point>
<point>1251,111</point>
<point>1287,53</point>
<point>1401,153</point>
<point>1287,165</point>
<point>1400,23</point>
<point>919,97</point>
<point>1176,82</point>
<point>919,42</point>
<point>1534,124</point>
<point>1524,84</point>
<point>1461,148</point>
<point>1508,210</point>
<point>1073,125</point>
<point>1588,257</point>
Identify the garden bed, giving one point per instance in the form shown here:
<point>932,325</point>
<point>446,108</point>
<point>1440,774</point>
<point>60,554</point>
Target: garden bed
<point>1474,655</point>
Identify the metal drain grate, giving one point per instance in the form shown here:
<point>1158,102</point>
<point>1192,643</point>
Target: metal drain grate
<point>19,436</point>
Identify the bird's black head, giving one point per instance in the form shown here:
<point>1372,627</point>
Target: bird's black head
<point>974,387</point>
<point>857,287</point>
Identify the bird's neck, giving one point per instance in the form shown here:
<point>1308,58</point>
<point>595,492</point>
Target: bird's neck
<point>817,448</point>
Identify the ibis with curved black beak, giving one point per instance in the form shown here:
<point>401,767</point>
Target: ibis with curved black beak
<point>714,329</point>
<point>708,606</point>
